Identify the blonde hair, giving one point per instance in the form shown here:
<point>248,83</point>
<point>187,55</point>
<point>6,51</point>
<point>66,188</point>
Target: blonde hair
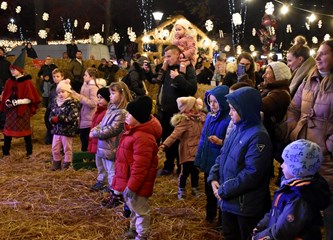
<point>189,30</point>
<point>92,72</point>
<point>57,70</point>
<point>122,88</point>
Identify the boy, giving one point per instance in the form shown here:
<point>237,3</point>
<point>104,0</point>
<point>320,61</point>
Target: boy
<point>295,212</point>
<point>240,178</point>
<point>57,76</point>
<point>136,164</point>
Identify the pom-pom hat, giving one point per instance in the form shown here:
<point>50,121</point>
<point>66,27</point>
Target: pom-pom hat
<point>65,85</point>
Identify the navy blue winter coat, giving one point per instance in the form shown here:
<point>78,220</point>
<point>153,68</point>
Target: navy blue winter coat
<point>214,125</point>
<point>243,166</point>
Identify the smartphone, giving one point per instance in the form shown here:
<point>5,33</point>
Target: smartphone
<point>241,69</point>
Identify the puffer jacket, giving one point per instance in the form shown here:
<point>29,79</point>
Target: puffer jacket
<point>68,117</point>
<point>295,212</point>
<point>109,132</point>
<point>187,128</point>
<point>88,99</point>
<point>242,168</point>
<point>310,116</point>
<point>188,46</point>
<point>97,118</point>
<point>136,160</point>
<point>215,124</point>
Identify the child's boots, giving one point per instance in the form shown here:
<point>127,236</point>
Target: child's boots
<point>56,165</point>
<point>181,193</point>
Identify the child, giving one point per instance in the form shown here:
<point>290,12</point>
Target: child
<point>88,100</point>
<point>136,164</point>
<point>19,101</point>
<point>239,177</point>
<point>184,37</point>
<point>211,141</point>
<point>57,76</point>
<point>108,133</point>
<point>64,117</point>
<point>188,125</point>
<point>295,212</point>
<point>103,96</point>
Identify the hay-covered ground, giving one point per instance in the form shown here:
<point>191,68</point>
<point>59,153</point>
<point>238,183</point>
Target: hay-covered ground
<point>36,203</point>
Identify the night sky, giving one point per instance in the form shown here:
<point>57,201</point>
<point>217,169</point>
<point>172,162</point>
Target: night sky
<point>125,13</point>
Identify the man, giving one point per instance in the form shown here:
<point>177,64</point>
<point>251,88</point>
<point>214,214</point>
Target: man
<point>175,84</point>
<point>45,74</point>
<point>71,49</point>
<point>76,70</point>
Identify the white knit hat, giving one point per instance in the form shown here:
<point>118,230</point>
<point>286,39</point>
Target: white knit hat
<point>303,158</point>
<point>65,85</point>
<point>184,23</point>
<point>281,71</point>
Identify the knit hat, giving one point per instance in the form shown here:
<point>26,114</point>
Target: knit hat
<point>281,71</point>
<point>65,85</point>
<point>140,108</point>
<point>184,23</point>
<point>185,104</point>
<point>105,93</point>
<point>18,64</point>
<point>302,157</point>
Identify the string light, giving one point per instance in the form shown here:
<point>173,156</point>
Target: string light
<point>145,8</point>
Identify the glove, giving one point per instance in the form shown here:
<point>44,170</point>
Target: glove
<point>54,119</point>
<point>11,103</point>
<point>128,193</point>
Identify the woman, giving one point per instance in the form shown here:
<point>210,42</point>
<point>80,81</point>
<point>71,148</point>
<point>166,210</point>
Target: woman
<point>246,60</point>
<point>310,116</point>
<point>300,62</point>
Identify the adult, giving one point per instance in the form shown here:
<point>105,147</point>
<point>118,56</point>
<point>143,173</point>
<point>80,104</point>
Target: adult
<point>45,74</point>
<point>246,60</point>
<point>4,76</point>
<point>31,53</point>
<point>76,71</point>
<point>220,68</point>
<point>204,74</point>
<point>175,84</point>
<point>310,116</point>
<point>4,69</point>
<point>300,63</point>
<point>71,49</point>
<point>109,70</point>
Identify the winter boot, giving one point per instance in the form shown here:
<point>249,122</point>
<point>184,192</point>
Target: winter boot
<point>99,185</point>
<point>56,165</point>
<point>66,165</point>
<point>195,192</point>
<point>181,194</point>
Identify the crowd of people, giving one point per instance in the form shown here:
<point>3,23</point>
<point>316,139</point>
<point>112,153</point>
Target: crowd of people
<point>250,117</point>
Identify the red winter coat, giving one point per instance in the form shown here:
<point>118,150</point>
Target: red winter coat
<point>97,118</point>
<point>136,159</point>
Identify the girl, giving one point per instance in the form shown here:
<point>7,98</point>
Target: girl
<point>19,101</point>
<point>108,133</point>
<point>188,125</point>
<point>211,140</point>
<point>64,116</point>
<point>88,99</point>
<point>184,37</point>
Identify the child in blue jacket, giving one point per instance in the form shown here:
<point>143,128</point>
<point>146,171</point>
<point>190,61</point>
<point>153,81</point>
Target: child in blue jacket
<point>295,212</point>
<point>211,140</point>
<point>240,176</point>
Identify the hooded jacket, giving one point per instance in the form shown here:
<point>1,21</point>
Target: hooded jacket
<point>136,159</point>
<point>242,168</point>
<point>215,124</point>
<point>295,211</point>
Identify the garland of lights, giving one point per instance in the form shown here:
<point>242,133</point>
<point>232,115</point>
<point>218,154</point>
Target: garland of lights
<point>238,29</point>
<point>145,8</point>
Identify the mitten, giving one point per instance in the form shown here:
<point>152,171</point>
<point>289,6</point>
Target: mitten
<point>54,119</point>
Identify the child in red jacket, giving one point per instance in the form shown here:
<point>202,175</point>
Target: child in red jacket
<point>136,164</point>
